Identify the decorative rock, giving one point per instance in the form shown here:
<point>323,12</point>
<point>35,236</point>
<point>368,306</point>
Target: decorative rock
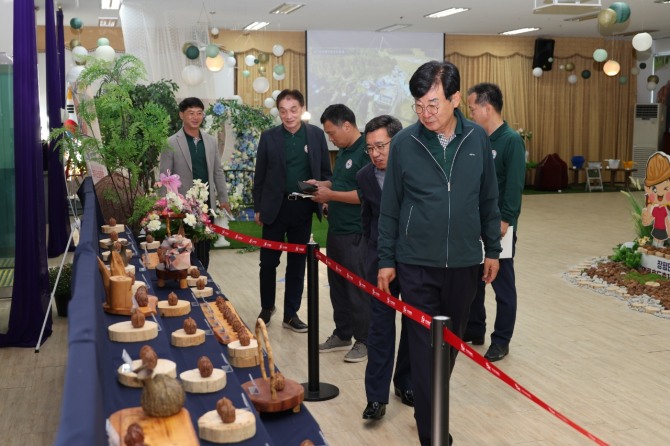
<point>652,284</point>
<point>651,309</point>
<point>637,305</point>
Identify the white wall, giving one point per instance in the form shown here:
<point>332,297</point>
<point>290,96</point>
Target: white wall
<point>7,26</point>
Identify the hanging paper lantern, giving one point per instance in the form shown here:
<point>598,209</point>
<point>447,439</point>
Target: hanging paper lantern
<point>74,43</point>
<point>76,23</point>
<point>586,74</point>
<point>263,58</point>
<point>277,50</point>
<point>269,102</point>
<point>102,41</point>
<point>611,67</point>
<point>275,93</point>
<point>212,50</point>
<point>73,73</point>
<point>274,111</point>
<point>261,85</point>
<point>230,61</point>
<point>569,66</point>
<point>635,71</point>
<point>249,60</point>
<point>651,85</point>
<point>642,41</point>
<point>622,11</point>
<point>262,70</point>
<point>600,55</point>
<point>246,73</point>
<point>279,69</point>
<point>653,78</point>
<point>278,77</point>
<point>192,52</point>
<point>192,75</point>
<point>623,80</point>
<point>105,52</point>
<point>214,63</point>
<point>79,54</point>
<point>537,71</point>
<point>607,17</point>
<point>572,79</point>
<point>214,32</point>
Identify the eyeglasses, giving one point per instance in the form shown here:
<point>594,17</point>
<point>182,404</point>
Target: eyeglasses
<point>419,109</point>
<point>379,147</point>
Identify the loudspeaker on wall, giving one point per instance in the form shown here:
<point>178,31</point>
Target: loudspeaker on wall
<point>544,50</point>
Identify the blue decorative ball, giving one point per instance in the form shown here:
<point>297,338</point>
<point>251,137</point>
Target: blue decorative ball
<point>76,23</point>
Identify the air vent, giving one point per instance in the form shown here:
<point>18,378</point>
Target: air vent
<point>646,111</point>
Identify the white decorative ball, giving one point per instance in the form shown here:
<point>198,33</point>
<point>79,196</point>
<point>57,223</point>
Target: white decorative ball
<point>105,52</point>
<point>572,79</point>
<point>642,41</point>
<point>79,54</point>
<point>537,71</point>
<point>230,61</point>
<point>277,50</point>
<point>269,103</point>
<point>278,77</point>
<point>192,75</point>
<point>274,111</point>
<point>73,73</point>
<point>250,60</point>
<point>275,93</point>
<point>261,85</point>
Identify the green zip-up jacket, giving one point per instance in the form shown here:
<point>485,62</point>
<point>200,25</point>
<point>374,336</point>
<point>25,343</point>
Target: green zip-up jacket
<point>432,217</point>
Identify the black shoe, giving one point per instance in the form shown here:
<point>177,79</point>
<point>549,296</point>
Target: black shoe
<point>295,324</point>
<point>496,352</point>
<point>473,339</point>
<point>406,396</point>
<point>266,314</point>
<point>374,411</point>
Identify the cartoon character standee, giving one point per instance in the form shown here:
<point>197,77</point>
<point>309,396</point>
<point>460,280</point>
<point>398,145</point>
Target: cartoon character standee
<point>657,192</point>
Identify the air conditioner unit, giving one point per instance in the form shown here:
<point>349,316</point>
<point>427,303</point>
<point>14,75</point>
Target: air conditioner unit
<point>648,125</point>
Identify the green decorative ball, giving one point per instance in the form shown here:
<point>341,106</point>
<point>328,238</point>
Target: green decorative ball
<point>102,41</point>
<point>279,69</point>
<point>192,52</point>
<point>76,23</point>
<point>586,74</point>
<point>246,73</point>
<point>623,80</point>
<point>212,50</point>
<point>622,11</point>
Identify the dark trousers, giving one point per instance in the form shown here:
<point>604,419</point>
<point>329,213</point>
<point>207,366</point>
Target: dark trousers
<point>381,350</point>
<point>435,291</point>
<point>292,225</point>
<point>505,290</point>
<point>201,252</point>
<point>351,306</point>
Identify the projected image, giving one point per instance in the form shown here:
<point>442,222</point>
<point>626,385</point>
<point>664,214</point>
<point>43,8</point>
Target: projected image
<point>368,72</point>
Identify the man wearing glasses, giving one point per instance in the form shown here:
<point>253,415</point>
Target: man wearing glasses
<point>381,337</point>
<point>195,156</point>
<point>439,204</point>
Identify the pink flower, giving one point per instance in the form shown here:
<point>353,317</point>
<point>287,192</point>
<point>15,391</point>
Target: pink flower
<point>171,182</point>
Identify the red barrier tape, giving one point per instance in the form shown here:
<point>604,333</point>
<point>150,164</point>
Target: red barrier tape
<point>414,314</point>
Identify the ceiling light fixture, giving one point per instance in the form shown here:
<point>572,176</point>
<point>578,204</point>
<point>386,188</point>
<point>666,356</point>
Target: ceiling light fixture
<point>519,31</point>
<point>581,18</point>
<point>391,28</point>
<point>446,12</point>
<point>255,26</point>
<point>107,22</point>
<point>663,2</point>
<point>286,8</point>
<point>110,4</point>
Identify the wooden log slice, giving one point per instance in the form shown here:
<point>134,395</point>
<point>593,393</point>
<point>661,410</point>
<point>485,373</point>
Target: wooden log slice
<point>192,281</point>
<point>206,292</point>
<point>289,398</point>
<point>236,350</point>
<point>129,379</point>
<point>105,243</point>
<point>173,430</point>
<point>182,308</point>
<point>127,269</point>
<point>152,245</point>
<point>194,383</point>
<point>125,332</point>
<point>179,338</point>
<point>241,363</point>
<point>106,229</point>
<point>211,428</point>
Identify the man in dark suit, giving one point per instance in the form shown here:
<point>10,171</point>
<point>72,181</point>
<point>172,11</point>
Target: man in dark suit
<point>381,337</point>
<point>291,152</point>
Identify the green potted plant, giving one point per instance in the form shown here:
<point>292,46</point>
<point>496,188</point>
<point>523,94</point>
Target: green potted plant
<point>63,292</point>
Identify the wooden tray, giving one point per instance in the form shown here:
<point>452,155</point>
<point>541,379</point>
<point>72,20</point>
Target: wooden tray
<point>222,330</point>
<point>176,430</point>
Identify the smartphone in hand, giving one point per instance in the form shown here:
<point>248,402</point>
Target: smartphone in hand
<point>306,188</point>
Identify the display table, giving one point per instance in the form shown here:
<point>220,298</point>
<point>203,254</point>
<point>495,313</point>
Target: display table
<point>612,175</point>
<point>92,392</point>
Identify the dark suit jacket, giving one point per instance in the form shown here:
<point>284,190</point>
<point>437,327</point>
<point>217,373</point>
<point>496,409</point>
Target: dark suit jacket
<point>371,195</point>
<point>270,176</point>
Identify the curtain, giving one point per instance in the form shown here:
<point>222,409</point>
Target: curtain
<point>294,65</point>
<point>60,44</point>
<point>57,204</point>
<point>29,295</point>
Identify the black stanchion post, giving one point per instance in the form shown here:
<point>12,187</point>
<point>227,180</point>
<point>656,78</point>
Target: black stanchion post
<point>314,390</point>
<point>441,372</point>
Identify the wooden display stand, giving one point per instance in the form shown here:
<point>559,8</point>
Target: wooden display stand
<point>167,274</point>
<point>129,379</point>
<point>179,338</point>
<point>211,428</point>
<point>194,383</point>
<point>267,398</point>
<point>205,292</point>
<point>125,332</point>
<point>107,229</point>
<point>174,430</point>
<point>241,356</point>
<point>182,308</point>
<point>105,243</point>
<point>222,330</point>
<point>153,245</point>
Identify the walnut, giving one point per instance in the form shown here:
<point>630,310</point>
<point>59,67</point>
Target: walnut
<point>236,325</point>
<point>172,299</point>
<point>149,357</point>
<point>201,283</point>
<point>116,246</point>
<point>244,338</point>
<point>220,301</point>
<point>280,381</point>
<point>205,366</point>
<point>141,296</point>
<point>150,238</point>
<point>195,273</point>
<point>307,442</point>
<point>137,319</point>
<point>226,410</point>
<point>132,277</point>
<point>113,236</point>
<point>190,326</point>
<point>134,435</point>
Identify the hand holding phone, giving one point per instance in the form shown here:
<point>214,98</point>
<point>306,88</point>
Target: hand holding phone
<point>306,188</point>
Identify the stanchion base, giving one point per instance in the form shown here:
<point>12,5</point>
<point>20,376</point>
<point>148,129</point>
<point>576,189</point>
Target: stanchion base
<point>325,392</point>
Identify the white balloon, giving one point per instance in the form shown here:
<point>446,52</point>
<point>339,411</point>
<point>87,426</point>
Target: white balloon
<point>192,75</point>
<point>537,71</point>
<point>105,52</point>
<point>275,93</point>
<point>79,53</point>
<point>230,61</point>
<point>651,85</point>
<point>277,50</point>
<point>274,111</point>
<point>572,79</point>
<point>278,77</point>
<point>237,97</point>
<point>269,102</point>
<point>249,60</point>
<point>214,31</point>
<point>73,73</point>
<point>261,84</point>
<point>642,41</point>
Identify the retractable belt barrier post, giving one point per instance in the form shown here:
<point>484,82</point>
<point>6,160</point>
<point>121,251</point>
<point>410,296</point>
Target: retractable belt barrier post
<point>410,312</point>
<point>439,424</point>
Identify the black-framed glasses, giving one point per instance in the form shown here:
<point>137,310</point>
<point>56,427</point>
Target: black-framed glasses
<point>431,108</point>
<point>379,147</point>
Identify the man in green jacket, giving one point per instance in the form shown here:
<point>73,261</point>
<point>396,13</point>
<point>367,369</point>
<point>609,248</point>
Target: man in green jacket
<point>439,203</point>
<point>485,102</point>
